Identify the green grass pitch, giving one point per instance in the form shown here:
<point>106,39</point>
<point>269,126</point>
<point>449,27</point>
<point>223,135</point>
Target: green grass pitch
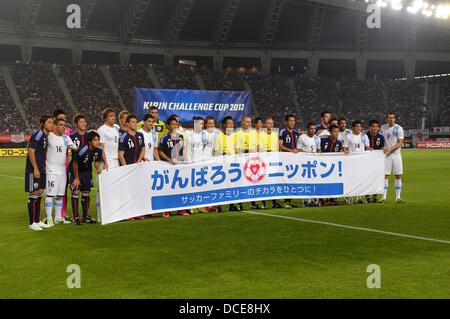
<point>239,255</point>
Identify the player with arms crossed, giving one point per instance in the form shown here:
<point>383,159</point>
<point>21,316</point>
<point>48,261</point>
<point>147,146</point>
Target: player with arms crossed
<point>35,178</point>
<point>58,145</point>
<point>80,175</point>
<point>394,137</point>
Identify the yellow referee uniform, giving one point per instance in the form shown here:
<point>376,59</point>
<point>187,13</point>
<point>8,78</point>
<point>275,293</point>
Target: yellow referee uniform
<point>268,142</point>
<point>226,144</point>
<point>247,140</point>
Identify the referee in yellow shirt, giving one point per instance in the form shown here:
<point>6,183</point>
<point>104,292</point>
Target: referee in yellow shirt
<point>227,144</point>
<point>268,142</point>
<point>247,142</point>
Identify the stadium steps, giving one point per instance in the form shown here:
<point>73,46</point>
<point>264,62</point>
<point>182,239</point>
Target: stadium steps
<point>6,72</point>
<point>109,80</point>
<point>292,87</point>
<point>154,78</point>
<point>63,86</point>
<point>249,89</point>
<point>199,80</point>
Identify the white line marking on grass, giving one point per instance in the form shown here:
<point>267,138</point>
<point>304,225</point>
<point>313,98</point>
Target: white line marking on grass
<point>10,176</point>
<point>441,241</point>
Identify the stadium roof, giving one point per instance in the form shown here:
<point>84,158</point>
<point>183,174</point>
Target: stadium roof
<point>308,24</point>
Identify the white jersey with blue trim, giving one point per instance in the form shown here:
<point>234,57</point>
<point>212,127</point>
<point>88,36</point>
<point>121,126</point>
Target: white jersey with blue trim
<point>356,142</point>
<point>57,153</point>
<point>392,134</point>
<point>195,143</point>
<point>109,136</point>
<point>309,144</point>
<point>210,136</point>
<point>343,134</point>
<point>151,142</point>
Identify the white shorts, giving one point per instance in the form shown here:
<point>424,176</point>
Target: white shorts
<point>393,164</point>
<point>113,163</point>
<point>56,184</point>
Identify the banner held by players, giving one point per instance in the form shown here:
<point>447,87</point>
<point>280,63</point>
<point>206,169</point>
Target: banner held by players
<point>189,103</point>
<point>156,187</point>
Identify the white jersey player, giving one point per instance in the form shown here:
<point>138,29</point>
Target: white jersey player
<point>309,142</point>
<point>394,137</point>
<point>109,138</point>
<point>196,142</point>
<point>343,130</point>
<point>58,145</point>
<point>211,133</point>
<point>356,142</point>
<point>150,138</point>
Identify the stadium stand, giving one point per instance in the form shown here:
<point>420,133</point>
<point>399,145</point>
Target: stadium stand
<point>445,102</point>
<point>89,91</point>
<point>347,97</point>
<point>179,77</point>
<point>9,121</point>
<point>38,90</point>
<point>218,80</point>
<point>127,77</point>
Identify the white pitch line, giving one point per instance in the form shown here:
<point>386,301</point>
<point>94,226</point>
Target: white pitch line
<point>441,241</point>
<point>10,176</point>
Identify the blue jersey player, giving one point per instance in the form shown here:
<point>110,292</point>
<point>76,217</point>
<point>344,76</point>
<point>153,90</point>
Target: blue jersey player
<point>35,178</point>
<point>331,143</point>
<point>131,143</point>
<point>80,175</point>
<point>287,139</point>
<point>172,146</point>
<point>376,139</point>
<point>79,137</point>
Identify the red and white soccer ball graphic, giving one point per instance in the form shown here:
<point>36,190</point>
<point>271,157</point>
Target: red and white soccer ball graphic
<point>254,169</point>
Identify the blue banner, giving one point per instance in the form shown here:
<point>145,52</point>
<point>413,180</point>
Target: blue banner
<point>189,103</point>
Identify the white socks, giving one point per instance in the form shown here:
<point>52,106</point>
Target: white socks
<point>49,207</point>
<point>398,188</point>
<point>97,203</point>
<point>58,208</point>
<point>386,185</point>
